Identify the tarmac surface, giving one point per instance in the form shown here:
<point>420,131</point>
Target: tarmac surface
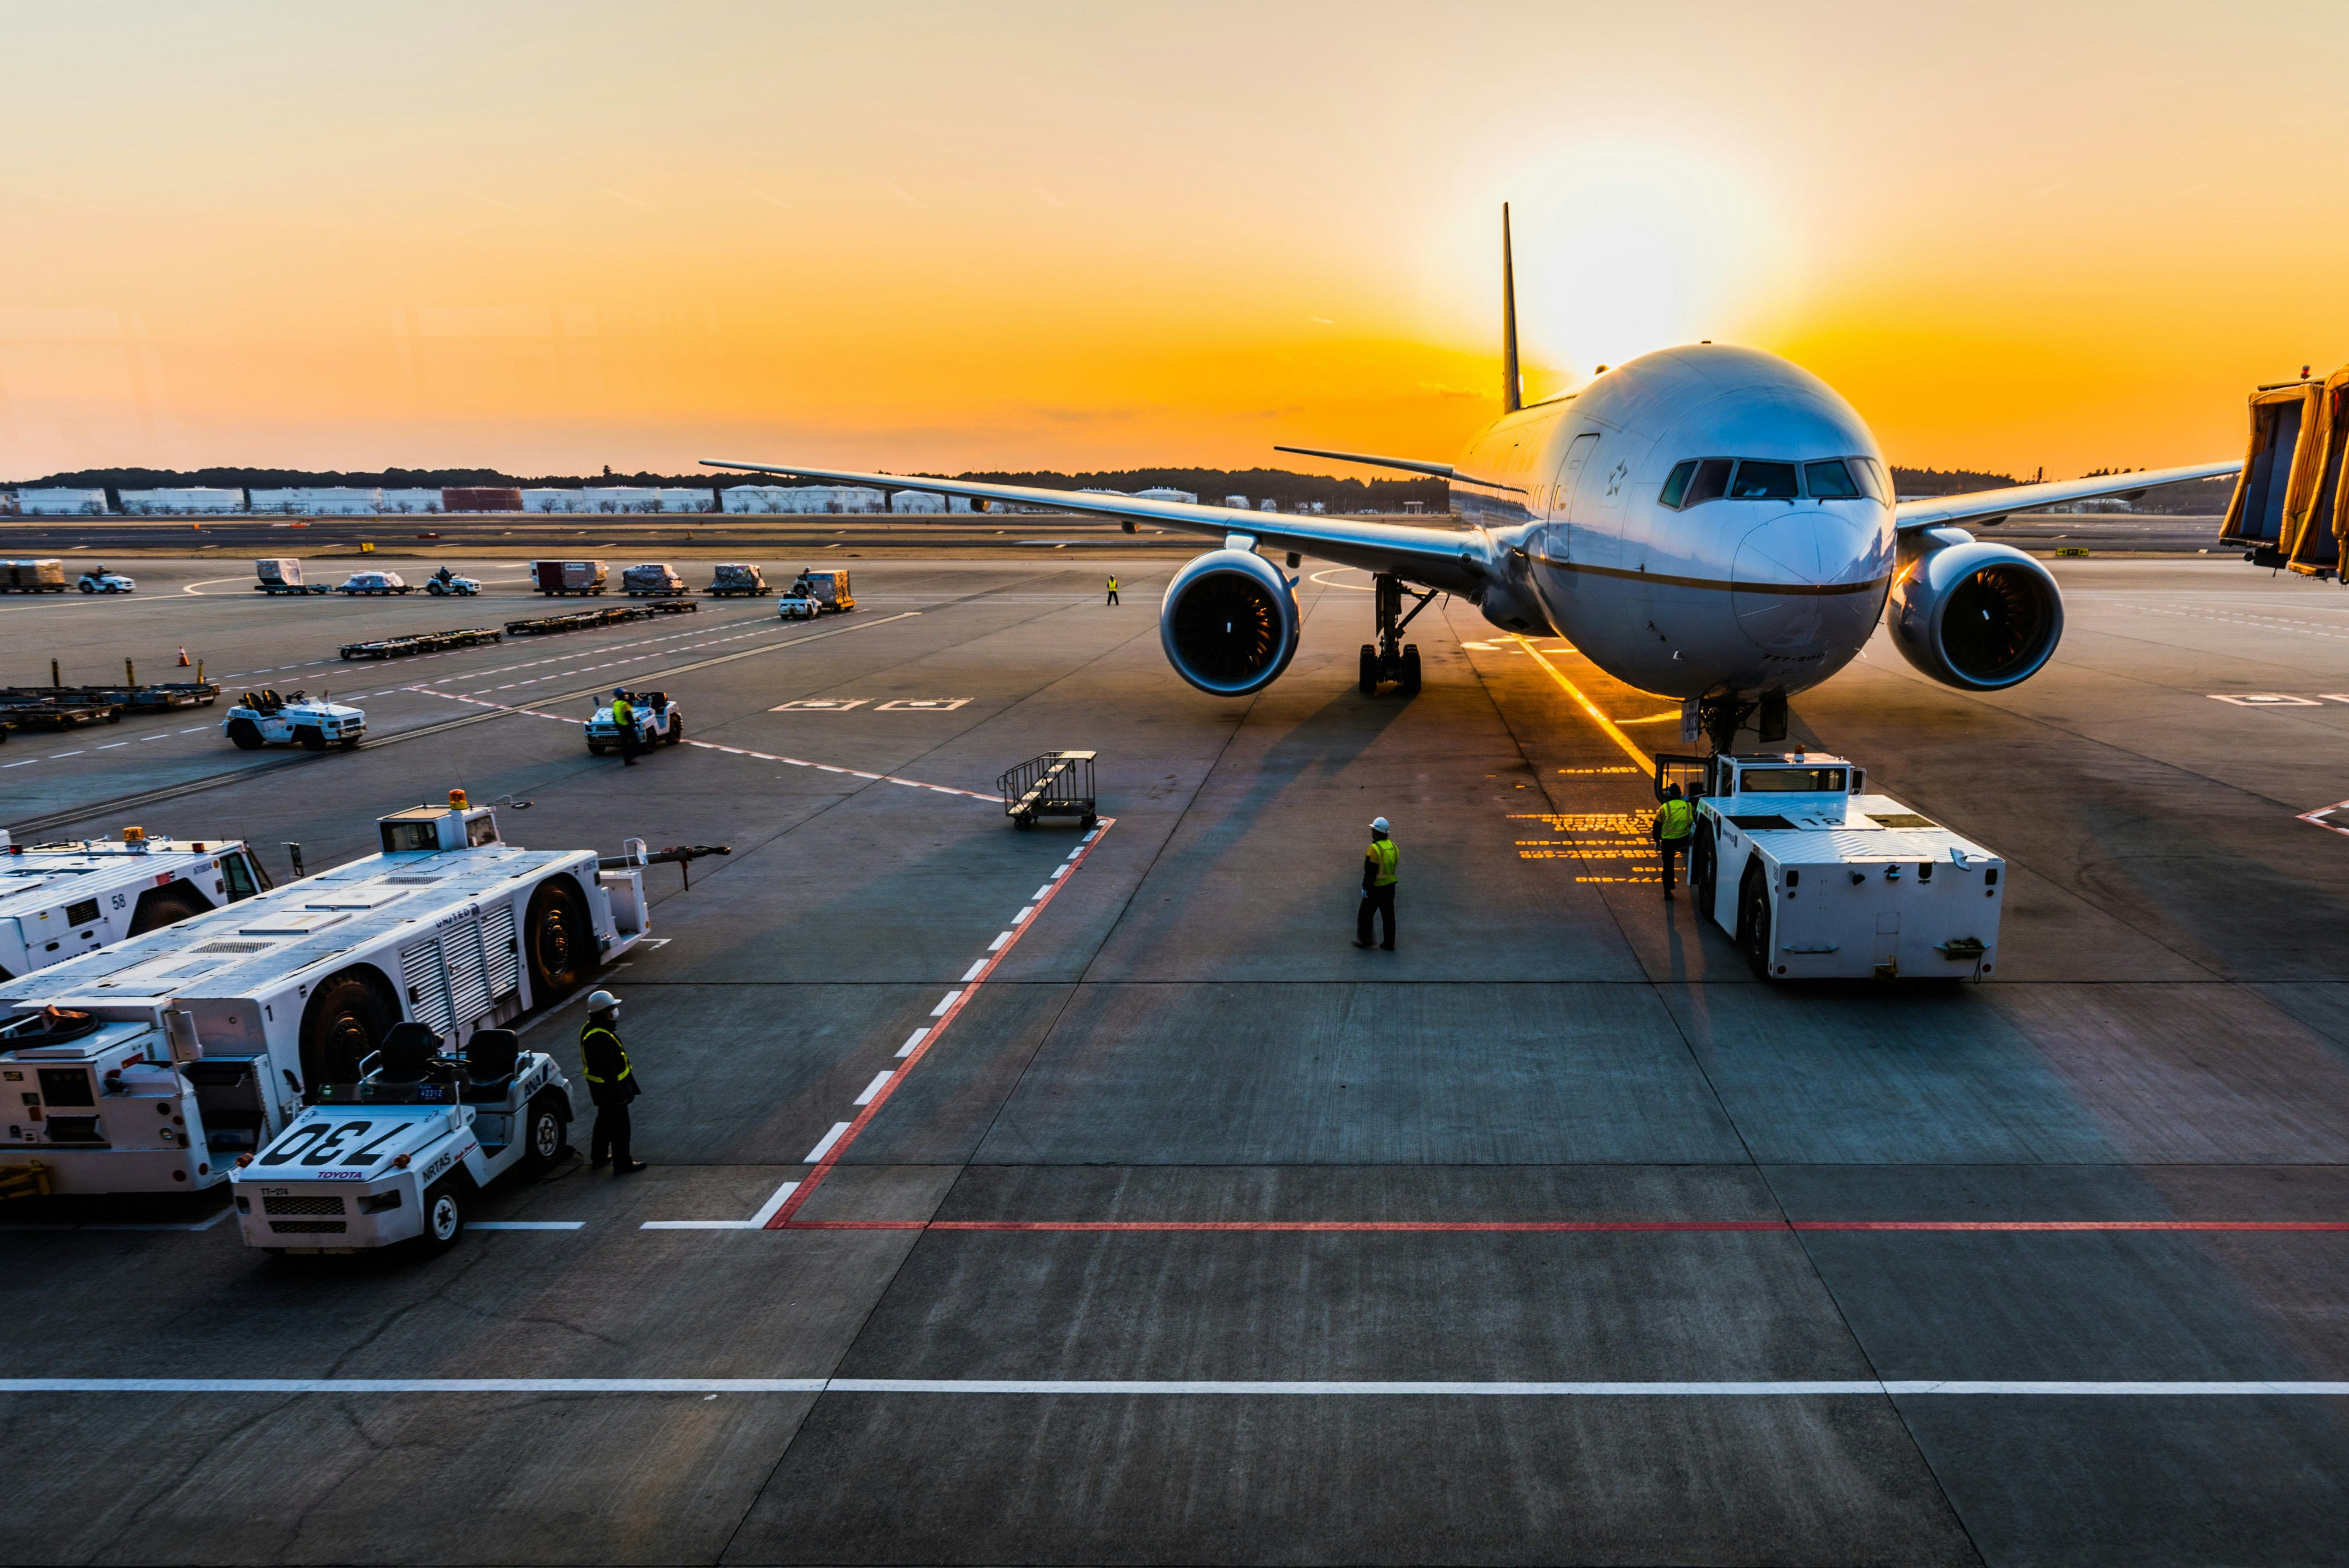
<point>1140,1218</point>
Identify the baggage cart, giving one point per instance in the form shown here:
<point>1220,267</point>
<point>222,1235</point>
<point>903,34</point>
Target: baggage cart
<point>46,574</point>
<point>554,578</point>
<point>651,579</point>
<point>422,642</point>
<point>732,579</point>
<point>283,575</point>
<point>1058,785</point>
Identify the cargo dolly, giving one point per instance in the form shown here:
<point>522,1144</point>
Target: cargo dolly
<point>1056,784</point>
<point>583,620</point>
<point>423,643</point>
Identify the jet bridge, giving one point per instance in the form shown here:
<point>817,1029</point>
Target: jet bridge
<point>2286,510</point>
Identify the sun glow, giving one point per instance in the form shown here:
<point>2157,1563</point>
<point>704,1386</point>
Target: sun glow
<point>1624,246</point>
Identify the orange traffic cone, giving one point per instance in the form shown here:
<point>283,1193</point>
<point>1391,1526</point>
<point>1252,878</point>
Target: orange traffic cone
<point>183,656</point>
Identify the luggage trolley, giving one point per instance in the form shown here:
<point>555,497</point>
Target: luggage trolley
<point>1056,784</point>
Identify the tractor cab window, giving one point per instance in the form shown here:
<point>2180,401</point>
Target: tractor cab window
<point>240,876</point>
<point>1791,780</point>
<point>407,837</point>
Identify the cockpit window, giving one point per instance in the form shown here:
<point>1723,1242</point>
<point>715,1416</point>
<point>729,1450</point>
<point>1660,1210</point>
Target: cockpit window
<point>1676,483</point>
<point>1829,481</point>
<point>1872,480</point>
<point>1762,481</point>
<point>1711,483</point>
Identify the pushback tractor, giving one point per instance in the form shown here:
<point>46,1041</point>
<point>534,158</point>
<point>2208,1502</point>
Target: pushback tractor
<point>58,901</point>
<point>1817,880</point>
<point>154,1065</point>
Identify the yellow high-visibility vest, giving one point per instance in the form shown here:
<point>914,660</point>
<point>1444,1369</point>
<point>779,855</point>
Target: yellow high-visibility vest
<point>589,1032</point>
<point>1675,819</point>
<point>1384,852</point>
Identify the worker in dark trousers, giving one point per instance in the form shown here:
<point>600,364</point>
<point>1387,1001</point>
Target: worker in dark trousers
<point>624,715</point>
<point>610,1085</point>
<point>1113,592</point>
<point>1379,863</point>
<point>1675,822</point>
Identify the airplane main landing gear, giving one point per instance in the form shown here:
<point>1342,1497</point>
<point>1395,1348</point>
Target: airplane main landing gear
<point>1392,658</point>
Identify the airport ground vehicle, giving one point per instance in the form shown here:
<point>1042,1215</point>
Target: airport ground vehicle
<point>732,577</point>
<point>829,589</point>
<point>283,575</point>
<point>1057,784</point>
<point>422,642</point>
<point>652,579</point>
<point>44,575</point>
<point>658,721</point>
<point>1817,880</point>
<point>265,718</point>
<point>553,578</point>
<point>799,604</point>
<point>58,901</point>
<point>98,580</point>
<point>376,583</point>
<point>398,1155</point>
<point>444,583</point>
<point>151,1065</point>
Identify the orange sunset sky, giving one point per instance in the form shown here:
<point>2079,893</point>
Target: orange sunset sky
<point>549,237</point>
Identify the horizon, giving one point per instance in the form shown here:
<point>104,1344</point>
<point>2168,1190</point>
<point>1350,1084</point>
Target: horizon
<point>539,238</point>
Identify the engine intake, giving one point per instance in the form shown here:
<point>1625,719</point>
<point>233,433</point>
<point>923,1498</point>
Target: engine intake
<point>1229,623</point>
<point>1978,617</point>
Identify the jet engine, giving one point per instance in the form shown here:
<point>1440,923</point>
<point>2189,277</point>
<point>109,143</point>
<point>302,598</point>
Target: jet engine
<point>1229,623</point>
<point>1978,617</point>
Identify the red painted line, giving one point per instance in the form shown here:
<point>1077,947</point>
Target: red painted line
<point>1358,1227</point>
<point>969,989</point>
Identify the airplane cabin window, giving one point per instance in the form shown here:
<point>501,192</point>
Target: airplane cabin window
<point>1829,481</point>
<point>1762,481</point>
<point>1676,483</point>
<point>1711,484</point>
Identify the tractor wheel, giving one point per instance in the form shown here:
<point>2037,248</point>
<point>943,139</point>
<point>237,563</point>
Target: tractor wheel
<point>348,1016</point>
<point>594,749</point>
<point>1703,870</point>
<point>310,739</point>
<point>1753,923</point>
<point>544,1135</point>
<point>246,733</point>
<point>558,940</point>
<point>675,732</point>
<point>163,906</point>
<point>444,1214</point>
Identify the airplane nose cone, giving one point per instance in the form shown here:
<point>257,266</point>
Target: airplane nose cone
<point>1793,578</point>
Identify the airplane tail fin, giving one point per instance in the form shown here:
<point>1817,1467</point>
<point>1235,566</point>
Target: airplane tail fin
<point>1511,389</point>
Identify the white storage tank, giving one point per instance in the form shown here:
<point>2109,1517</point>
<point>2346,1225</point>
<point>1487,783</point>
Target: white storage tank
<point>674,498</point>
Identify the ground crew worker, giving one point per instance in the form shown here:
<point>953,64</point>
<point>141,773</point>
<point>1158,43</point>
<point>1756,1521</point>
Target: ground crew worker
<point>1379,864</point>
<point>1675,820</point>
<point>624,715</point>
<point>610,1085</point>
<point>1113,592</point>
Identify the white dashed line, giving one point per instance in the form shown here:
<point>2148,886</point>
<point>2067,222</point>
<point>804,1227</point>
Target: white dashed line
<point>757,1221</point>
<point>1021,917</point>
<point>946,1001</point>
<point>916,1038</point>
<point>53,756</point>
<point>1042,893</point>
<point>824,1148</point>
<point>526,1224</point>
<point>111,744</point>
<point>880,1081</point>
<point>1001,938</point>
<point>973,972</point>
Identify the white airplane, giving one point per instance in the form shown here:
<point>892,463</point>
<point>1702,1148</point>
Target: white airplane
<point>1706,523</point>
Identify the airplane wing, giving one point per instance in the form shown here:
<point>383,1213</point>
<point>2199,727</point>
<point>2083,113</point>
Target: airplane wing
<point>1456,560</point>
<point>1986,507</point>
<point>1408,464</point>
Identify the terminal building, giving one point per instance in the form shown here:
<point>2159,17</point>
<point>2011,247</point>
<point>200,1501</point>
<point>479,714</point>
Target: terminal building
<point>184,502</point>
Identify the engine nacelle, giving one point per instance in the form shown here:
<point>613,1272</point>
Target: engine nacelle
<point>1229,623</point>
<point>1978,617</point>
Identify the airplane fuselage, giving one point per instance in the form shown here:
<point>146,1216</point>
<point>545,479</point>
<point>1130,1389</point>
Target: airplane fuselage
<point>1701,521</point>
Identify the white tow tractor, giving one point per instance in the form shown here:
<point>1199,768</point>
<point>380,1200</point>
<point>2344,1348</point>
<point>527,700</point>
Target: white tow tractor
<point>658,721</point>
<point>98,580</point>
<point>1817,880</point>
<point>398,1153</point>
<point>445,583</point>
<point>799,604</point>
<point>263,718</point>
<point>58,901</point>
<point>152,1065</point>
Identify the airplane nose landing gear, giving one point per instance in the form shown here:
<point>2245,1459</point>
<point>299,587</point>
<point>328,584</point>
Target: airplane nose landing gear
<point>1724,716</point>
<point>1391,658</point>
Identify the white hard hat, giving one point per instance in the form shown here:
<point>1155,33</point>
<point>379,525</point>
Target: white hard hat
<point>602,1000</point>
<point>1378,824</point>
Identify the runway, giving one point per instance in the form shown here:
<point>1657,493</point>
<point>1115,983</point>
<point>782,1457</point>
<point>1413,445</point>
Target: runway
<point>1071,1198</point>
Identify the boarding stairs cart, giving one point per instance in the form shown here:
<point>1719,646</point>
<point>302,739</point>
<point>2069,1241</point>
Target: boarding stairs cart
<point>1058,785</point>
